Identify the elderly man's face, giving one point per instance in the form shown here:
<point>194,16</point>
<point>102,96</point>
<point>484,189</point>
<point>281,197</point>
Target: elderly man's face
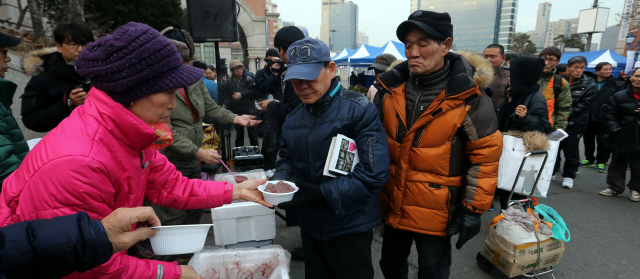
<point>425,56</point>
<point>237,72</point>
<point>309,91</point>
<point>4,61</point>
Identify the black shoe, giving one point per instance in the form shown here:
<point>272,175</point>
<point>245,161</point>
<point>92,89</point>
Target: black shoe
<point>297,254</point>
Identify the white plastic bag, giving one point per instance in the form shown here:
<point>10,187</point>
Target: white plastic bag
<point>516,234</point>
<point>268,262</point>
<point>513,151</point>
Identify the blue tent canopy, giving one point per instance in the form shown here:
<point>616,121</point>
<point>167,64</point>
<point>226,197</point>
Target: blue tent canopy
<point>394,48</point>
<point>618,62</point>
<point>343,56</point>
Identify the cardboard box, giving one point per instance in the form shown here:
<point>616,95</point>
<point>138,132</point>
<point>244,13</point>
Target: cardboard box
<point>514,268</point>
<point>526,251</point>
<point>514,260</point>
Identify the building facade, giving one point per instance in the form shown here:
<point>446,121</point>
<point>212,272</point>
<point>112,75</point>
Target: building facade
<point>538,35</point>
<point>555,29</point>
<point>476,24</point>
<point>343,24</point>
<point>363,38</point>
<point>609,38</point>
<point>324,23</point>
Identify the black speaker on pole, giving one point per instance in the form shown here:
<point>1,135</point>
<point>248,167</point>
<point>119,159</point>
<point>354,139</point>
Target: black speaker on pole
<point>213,20</point>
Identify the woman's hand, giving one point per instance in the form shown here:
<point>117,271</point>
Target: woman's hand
<point>248,191</point>
<point>189,273</point>
<point>208,156</point>
<point>521,111</point>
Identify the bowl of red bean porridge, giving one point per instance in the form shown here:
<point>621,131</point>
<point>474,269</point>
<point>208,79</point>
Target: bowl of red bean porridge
<point>278,191</point>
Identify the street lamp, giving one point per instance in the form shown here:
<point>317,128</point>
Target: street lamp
<point>631,38</point>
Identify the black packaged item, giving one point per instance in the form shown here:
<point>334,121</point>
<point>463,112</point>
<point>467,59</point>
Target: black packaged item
<point>247,158</point>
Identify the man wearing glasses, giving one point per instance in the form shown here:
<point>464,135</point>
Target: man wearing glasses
<point>55,88</point>
<point>555,89</point>
<point>14,148</point>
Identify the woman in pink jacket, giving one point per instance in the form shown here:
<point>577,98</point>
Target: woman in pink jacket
<point>98,160</point>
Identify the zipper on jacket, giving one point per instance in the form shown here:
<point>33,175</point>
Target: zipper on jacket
<point>310,168</point>
<point>142,163</point>
<point>415,107</point>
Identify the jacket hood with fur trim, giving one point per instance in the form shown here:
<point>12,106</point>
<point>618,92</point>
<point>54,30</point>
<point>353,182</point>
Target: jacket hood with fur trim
<point>33,63</point>
<point>483,72</point>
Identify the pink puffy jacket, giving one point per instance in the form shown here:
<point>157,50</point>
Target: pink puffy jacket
<point>96,161</point>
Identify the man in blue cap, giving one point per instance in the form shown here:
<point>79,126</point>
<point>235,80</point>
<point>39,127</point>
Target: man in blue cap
<point>336,214</point>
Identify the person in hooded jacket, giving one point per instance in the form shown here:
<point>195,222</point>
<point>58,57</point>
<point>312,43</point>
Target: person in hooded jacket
<point>582,91</point>
<point>13,147</point>
<point>524,109</point>
<point>105,155</point>
<point>597,129</point>
<point>622,115</point>
<point>56,88</point>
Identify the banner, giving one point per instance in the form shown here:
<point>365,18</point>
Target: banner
<point>624,24</point>
<point>631,54</point>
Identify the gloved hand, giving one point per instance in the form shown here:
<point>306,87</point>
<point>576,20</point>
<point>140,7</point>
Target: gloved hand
<point>468,224</point>
<point>307,194</point>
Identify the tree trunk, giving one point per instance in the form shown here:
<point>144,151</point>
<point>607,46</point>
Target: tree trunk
<point>36,19</point>
<point>23,12</point>
<point>76,11</point>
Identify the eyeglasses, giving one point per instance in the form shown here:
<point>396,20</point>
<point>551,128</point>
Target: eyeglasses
<point>73,45</point>
<point>550,60</point>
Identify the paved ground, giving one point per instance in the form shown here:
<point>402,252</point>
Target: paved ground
<point>604,230</point>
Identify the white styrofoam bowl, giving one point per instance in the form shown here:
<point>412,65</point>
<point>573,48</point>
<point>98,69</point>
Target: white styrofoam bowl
<point>176,240</point>
<point>276,199</point>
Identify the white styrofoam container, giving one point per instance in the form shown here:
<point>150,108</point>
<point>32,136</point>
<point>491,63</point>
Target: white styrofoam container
<point>269,262</point>
<point>176,240</point>
<point>242,221</point>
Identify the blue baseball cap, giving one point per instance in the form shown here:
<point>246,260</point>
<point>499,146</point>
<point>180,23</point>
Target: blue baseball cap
<point>305,59</point>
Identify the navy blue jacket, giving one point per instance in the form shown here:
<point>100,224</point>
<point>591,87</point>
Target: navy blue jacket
<point>353,204</point>
<point>269,83</point>
<point>53,248</point>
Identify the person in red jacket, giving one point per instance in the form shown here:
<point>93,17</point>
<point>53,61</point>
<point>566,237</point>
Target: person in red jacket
<point>104,155</point>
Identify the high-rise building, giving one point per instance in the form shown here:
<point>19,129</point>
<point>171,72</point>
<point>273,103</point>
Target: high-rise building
<point>555,29</point>
<point>339,27</point>
<point>363,38</point>
<point>471,32</point>
<point>609,38</point>
<point>538,35</point>
<point>324,24</point>
<point>304,30</point>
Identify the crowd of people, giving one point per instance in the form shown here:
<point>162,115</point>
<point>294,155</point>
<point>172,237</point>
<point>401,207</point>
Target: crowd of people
<point>125,114</point>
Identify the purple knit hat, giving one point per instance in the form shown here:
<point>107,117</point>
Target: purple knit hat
<point>133,62</point>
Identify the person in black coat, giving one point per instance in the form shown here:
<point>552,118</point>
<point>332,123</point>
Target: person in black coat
<point>582,92</point>
<point>269,82</point>
<point>244,93</point>
<point>622,116</point>
<point>353,79</point>
<point>56,247</point>
<point>525,109</point>
<point>597,129</point>
<point>55,88</point>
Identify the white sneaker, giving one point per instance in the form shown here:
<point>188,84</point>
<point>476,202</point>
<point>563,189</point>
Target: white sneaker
<point>567,183</point>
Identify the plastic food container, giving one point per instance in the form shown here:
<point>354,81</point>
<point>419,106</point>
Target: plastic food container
<point>268,262</point>
<point>183,239</point>
<point>276,199</point>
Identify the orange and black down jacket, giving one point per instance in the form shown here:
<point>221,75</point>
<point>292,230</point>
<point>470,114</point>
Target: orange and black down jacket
<point>449,157</point>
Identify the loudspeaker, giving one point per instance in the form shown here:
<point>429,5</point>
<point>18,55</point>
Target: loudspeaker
<point>213,20</point>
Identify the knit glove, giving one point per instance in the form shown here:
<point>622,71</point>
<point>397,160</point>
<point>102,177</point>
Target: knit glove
<point>307,194</point>
<point>468,224</point>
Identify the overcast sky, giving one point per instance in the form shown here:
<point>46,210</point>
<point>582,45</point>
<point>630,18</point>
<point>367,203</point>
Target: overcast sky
<point>379,18</point>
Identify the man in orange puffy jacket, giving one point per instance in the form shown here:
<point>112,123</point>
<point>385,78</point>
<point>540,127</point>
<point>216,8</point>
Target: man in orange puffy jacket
<point>444,146</point>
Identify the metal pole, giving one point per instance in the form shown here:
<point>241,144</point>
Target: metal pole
<point>218,127</point>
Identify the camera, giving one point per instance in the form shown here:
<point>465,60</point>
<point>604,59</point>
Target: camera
<point>85,85</point>
<point>271,62</point>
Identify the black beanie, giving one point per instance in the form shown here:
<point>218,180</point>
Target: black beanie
<point>525,73</point>
<point>272,52</point>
